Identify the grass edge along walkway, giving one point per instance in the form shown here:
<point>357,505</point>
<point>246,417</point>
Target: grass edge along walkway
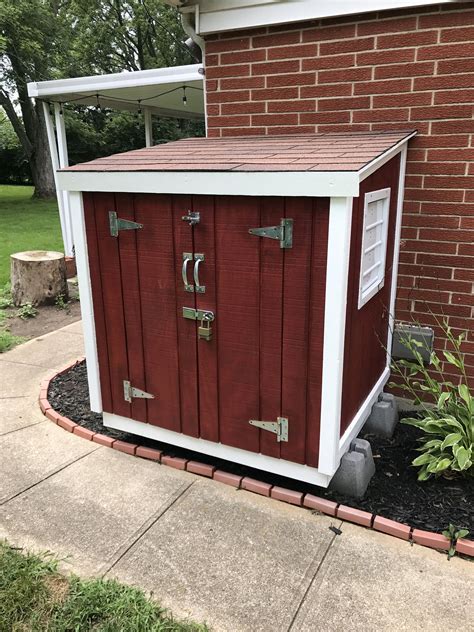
<point>35,596</point>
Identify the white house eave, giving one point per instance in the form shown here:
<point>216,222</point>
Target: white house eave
<point>229,15</point>
<point>284,183</point>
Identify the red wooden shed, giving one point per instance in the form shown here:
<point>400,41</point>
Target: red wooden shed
<point>237,293</point>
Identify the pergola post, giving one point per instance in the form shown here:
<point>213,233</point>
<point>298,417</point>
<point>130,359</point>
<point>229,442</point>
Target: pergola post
<point>53,152</point>
<point>64,162</point>
<point>148,127</point>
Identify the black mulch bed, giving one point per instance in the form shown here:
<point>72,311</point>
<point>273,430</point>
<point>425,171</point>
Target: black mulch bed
<point>394,491</point>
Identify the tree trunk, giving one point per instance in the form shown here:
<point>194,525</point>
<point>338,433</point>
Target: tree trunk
<point>40,161</point>
<point>38,277</point>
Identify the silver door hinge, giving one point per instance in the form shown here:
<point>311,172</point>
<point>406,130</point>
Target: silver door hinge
<point>278,427</point>
<point>116,224</point>
<point>283,232</point>
<point>129,392</point>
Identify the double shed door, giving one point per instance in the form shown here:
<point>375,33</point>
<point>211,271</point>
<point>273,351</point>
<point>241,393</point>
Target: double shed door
<point>264,360</point>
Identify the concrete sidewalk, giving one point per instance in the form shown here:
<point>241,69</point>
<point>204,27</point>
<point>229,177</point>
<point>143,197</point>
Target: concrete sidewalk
<point>238,561</point>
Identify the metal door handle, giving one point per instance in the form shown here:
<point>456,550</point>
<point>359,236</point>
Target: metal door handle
<point>187,257</point>
<point>197,260</point>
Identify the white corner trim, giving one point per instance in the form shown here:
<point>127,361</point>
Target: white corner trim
<point>236,455</point>
<point>379,161</point>
<point>396,252</point>
<point>339,243</point>
<point>87,308</point>
<point>364,411</point>
<point>285,183</point>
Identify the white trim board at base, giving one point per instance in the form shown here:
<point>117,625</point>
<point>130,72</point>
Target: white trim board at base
<point>362,414</point>
<point>235,455</point>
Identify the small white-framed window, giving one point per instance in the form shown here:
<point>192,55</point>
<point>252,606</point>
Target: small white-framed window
<point>374,244</point>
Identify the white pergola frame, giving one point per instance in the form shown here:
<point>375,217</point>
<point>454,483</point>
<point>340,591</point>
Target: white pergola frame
<point>83,90</point>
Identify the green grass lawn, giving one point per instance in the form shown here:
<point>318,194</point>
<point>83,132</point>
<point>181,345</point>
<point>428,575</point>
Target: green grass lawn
<point>26,224</point>
<point>34,597</point>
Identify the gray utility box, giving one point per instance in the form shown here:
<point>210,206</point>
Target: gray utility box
<point>425,335</point>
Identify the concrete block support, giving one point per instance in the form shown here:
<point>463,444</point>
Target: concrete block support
<point>384,416</point>
<point>355,471</point>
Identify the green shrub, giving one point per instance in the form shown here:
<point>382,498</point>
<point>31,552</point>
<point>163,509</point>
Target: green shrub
<point>446,416</point>
<point>27,311</point>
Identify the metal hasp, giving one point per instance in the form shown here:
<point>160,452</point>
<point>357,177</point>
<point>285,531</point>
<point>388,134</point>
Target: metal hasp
<point>117,224</point>
<point>198,314</point>
<point>283,232</point>
<point>193,218</point>
<point>205,317</point>
<point>278,427</point>
<point>130,392</point>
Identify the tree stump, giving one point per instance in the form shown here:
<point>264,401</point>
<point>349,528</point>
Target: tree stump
<point>38,277</point>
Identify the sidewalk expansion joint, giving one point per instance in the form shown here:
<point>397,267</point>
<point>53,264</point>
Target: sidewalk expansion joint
<point>315,574</point>
<point>144,528</point>
<point>51,473</point>
<point>4,434</point>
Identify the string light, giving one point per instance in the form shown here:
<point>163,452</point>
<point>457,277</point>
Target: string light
<point>139,106</point>
<point>185,100</point>
<point>127,101</point>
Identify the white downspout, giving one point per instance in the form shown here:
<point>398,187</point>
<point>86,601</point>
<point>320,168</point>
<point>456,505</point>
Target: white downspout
<point>190,22</point>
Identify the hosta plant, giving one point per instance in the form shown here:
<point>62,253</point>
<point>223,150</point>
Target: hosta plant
<point>446,414</point>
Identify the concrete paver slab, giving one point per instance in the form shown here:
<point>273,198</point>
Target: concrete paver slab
<point>374,583</point>
<point>30,454</point>
<point>18,379</point>
<point>89,510</point>
<point>18,412</point>
<point>234,559</point>
<point>74,328</point>
<point>50,351</point>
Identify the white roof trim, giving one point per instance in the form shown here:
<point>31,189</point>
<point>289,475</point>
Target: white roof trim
<point>230,15</point>
<point>274,183</point>
<point>123,89</point>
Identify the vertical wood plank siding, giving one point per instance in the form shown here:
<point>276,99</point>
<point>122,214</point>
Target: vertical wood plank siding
<point>265,358</point>
<point>365,354</point>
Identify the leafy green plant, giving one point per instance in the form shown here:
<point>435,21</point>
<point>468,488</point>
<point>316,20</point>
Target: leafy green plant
<point>446,414</point>
<point>27,311</point>
<point>454,534</point>
<point>61,302</point>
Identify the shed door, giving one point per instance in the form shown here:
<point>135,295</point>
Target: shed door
<point>264,358</point>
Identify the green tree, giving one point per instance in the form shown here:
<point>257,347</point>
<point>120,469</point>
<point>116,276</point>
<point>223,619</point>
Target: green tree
<point>116,35</point>
<point>30,31</point>
<point>14,168</point>
<point>50,39</point>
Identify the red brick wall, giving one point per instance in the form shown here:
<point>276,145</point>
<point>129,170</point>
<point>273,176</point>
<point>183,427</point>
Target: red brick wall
<point>405,69</point>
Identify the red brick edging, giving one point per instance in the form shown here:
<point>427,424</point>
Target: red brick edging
<point>323,505</point>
